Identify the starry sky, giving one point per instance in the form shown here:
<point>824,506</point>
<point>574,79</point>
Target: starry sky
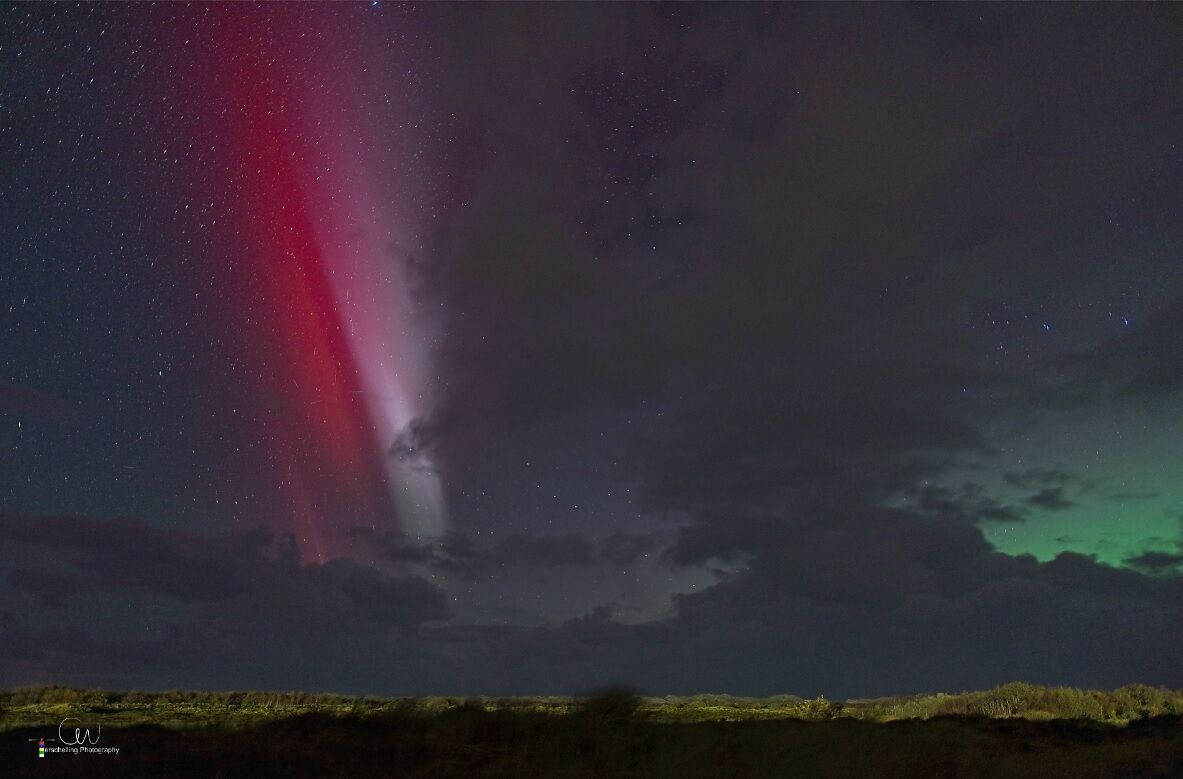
<point>513,349</point>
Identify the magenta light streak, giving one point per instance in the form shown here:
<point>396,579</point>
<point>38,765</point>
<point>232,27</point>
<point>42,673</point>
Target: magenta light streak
<point>369,218</point>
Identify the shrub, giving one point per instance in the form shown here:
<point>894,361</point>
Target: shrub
<point>818,708</point>
<point>609,707</point>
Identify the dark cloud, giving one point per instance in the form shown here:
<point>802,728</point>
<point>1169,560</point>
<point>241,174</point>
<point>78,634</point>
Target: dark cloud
<point>370,595</point>
<point>1156,562</point>
<point>1037,477</point>
<point>1142,364</point>
<point>125,553</point>
<point>877,601</point>
<point>837,595</point>
<point>624,549</point>
<point>1050,498</point>
<point>1123,496</point>
<point>24,645</point>
<point>251,570</point>
<point>1148,361</point>
<point>394,545</point>
<point>455,553</point>
<point>757,350</point>
<point>968,503</point>
<point>787,309</point>
<point>51,587</point>
<point>529,550</point>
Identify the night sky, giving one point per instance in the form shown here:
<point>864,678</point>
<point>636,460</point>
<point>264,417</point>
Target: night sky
<point>512,349</point>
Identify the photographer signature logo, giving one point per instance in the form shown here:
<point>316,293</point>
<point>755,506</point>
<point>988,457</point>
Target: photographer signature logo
<point>75,738</point>
<point>80,735</point>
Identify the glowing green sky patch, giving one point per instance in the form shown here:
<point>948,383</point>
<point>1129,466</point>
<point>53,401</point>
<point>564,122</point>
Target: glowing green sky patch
<point>1111,530</point>
<point>1122,482</point>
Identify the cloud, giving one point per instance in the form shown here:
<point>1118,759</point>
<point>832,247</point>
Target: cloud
<point>237,608</point>
<point>836,596</point>
<point>1149,361</point>
<point>395,545</point>
<point>865,602</point>
<point>1142,363</point>
<point>369,595</point>
<point>1037,477</point>
<point>53,588</point>
<point>625,548</point>
<point>455,552</point>
<point>968,503</point>
<point>1154,563</point>
<point>530,550</point>
<point>1050,498</point>
<point>1124,496</point>
<point>124,553</point>
<point>781,311</point>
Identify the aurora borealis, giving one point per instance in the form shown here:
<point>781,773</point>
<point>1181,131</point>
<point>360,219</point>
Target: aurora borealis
<point>509,349</point>
<point>303,152</point>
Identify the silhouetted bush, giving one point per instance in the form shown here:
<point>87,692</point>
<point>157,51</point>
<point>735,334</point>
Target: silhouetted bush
<point>609,707</point>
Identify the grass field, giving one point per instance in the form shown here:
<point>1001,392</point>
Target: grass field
<point>1013,730</point>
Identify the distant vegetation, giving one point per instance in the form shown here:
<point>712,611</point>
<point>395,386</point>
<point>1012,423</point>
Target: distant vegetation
<point>1016,730</point>
<point>177,708</point>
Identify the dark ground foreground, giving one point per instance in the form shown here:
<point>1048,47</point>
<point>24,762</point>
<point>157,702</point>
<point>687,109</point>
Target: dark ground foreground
<point>469,741</point>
